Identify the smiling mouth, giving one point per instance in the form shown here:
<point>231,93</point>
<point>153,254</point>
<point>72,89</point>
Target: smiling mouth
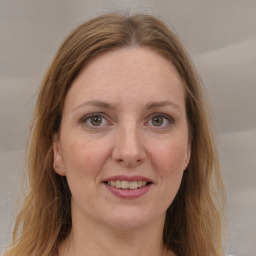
<point>127,185</point>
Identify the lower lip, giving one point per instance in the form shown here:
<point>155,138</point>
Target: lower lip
<point>128,193</point>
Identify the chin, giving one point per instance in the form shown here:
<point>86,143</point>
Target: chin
<point>130,219</point>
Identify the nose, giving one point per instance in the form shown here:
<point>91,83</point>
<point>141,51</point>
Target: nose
<point>128,147</point>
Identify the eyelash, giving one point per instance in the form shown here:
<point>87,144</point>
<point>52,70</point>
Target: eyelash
<point>89,116</point>
<point>86,118</point>
<point>169,119</point>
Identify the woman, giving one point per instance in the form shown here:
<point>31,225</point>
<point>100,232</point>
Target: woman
<point>121,157</point>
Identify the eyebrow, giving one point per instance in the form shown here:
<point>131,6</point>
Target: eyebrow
<point>162,104</point>
<point>106,105</point>
<point>96,103</point>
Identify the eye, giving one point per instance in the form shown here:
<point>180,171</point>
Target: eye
<point>157,120</point>
<point>160,120</point>
<point>94,120</point>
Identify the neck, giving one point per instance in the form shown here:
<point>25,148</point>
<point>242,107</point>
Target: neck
<point>94,239</point>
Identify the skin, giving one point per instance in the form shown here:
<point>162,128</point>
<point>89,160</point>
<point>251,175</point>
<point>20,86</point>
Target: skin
<point>142,131</point>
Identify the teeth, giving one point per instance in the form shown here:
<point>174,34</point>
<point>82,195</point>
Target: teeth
<point>118,184</point>
<point>124,184</point>
<point>133,184</point>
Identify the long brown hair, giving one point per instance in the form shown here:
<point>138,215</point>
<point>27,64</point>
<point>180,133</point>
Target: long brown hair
<point>193,221</point>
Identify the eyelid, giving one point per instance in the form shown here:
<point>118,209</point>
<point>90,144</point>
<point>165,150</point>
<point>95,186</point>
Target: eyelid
<point>85,118</point>
<point>169,118</point>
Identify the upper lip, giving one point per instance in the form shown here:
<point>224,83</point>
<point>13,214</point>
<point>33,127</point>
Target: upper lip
<point>128,178</point>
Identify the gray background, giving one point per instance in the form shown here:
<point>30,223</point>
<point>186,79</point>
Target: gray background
<point>221,38</point>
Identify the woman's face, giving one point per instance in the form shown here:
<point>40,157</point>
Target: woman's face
<point>123,141</point>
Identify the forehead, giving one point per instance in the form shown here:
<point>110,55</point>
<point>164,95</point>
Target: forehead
<point>139,73</point>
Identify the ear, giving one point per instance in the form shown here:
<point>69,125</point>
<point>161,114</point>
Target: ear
<point>187,157</point>
<point>58,164</point>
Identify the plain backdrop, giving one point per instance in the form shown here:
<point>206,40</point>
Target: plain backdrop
<point>220,36</point>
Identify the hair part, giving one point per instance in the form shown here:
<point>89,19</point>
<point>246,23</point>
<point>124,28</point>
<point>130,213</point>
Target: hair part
<point>193,220</point>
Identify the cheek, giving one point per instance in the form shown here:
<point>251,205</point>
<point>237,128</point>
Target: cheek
<point>84,157</point>
<point>170,159</point>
